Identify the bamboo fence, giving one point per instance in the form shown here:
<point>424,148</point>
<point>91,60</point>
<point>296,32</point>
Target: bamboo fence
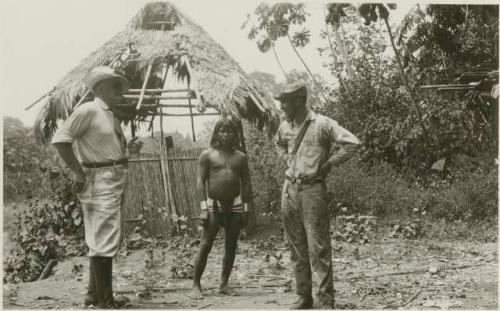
<point>145,203</point>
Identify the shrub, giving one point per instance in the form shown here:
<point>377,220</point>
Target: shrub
<point>266,169</point>
<point>22,160</point>
<point>48,229</point>
<point>472,197</point>
<point>381,190</point>
<point>377,191</point>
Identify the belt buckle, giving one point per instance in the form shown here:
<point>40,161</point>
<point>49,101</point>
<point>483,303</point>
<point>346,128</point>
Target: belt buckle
<point>298,181</point>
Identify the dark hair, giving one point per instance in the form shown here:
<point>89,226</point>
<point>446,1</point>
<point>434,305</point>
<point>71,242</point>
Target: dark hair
<point>228,122</point>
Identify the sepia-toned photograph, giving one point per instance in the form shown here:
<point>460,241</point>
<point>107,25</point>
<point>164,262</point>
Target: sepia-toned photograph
<point>253,154</point>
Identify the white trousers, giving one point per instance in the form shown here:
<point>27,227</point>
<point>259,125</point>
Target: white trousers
<point>101,200</point>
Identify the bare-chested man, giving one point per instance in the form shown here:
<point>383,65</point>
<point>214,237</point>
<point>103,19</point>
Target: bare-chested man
<point>224,191</point>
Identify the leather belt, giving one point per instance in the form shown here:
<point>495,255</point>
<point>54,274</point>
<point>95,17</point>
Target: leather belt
<point>105,164</point>
<point>298,181</point>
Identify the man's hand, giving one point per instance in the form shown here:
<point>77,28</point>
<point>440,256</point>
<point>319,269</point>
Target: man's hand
<point>204,217</point>
<point>324,169</point>
<point>244,220</point>
<point>134,146</point>
<point>78,183</point>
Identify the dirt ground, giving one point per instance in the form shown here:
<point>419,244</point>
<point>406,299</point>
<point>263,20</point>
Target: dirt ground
<point>384,274</point>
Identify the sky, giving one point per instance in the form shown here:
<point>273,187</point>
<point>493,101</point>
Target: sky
<point>42,40</point>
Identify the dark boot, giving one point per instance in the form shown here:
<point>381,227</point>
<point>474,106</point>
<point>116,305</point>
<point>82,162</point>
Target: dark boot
<point>91,297</point>
<point>103,268</point>
<point>302,303</point>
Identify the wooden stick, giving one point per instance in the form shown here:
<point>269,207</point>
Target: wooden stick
<point>188,115</point>
<point>155,97</point>
<point>82,99</point>
<point>142,159</point>
<point>446,85</point>
<point>39,99</point>
<point>168,198</point>
<point>192,119</point>
<point>194,82</point>
<point>252,96</point>
<point>204,306</point>
<point>169,185</point>
<point>48,269</point>
<point>423,270</point>
<point>159,90</point>
<point>256,102</point>
<point>210,287</point>
<point>132,127</point>
<point>412,297</point>
<point>146,79</point>
<point>160,23</point>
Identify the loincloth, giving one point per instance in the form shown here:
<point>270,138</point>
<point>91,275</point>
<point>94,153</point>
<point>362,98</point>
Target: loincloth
<point>216,206</point>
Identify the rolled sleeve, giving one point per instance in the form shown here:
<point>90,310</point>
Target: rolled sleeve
<point>349,143</point>
<point>77,124</point>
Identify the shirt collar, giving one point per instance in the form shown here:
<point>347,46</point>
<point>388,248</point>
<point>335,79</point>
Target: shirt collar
<point>310,115</point>
<point>101,103</point>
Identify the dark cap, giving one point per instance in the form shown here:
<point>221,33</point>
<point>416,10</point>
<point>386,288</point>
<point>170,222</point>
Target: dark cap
<point>294,89</point>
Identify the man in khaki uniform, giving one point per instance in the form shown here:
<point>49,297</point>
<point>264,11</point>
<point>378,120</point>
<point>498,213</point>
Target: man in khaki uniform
<point>92,144</point>
<point>304,207</point>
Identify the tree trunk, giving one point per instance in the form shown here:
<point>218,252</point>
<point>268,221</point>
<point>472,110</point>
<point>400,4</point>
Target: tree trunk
<point>350,73</point>
<point>407,85</point>
<point>343,49</point>
<point>307,67</point>
<point>278,61</point>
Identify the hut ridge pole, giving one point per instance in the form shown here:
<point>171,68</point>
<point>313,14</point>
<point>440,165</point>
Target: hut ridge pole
<point>143,90</point>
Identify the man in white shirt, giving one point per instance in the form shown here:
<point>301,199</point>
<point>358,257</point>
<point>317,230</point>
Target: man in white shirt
<point>92,144</point>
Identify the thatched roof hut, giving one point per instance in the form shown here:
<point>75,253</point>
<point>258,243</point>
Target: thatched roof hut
<point>164,38</point>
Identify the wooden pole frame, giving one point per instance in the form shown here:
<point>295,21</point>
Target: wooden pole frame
<point>143,90</point>
<point>39,99</point>
<point>192,118</point>
<point>154,97</point>
<point>87,92</point>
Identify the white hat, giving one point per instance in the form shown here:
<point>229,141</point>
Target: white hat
<point>103,73</point>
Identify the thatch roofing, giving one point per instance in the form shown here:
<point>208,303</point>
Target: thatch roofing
<point>221,83</point>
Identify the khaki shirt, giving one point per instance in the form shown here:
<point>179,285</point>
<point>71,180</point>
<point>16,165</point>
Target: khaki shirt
<point>92,129</point>
<point>315,147</point>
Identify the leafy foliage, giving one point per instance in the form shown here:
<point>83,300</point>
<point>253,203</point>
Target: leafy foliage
<point>376,107</point>
<point>354,228</point>
<point>454,39</point>
<point>267,170</point>
<point>372,11</point>
<point>48,229</point>
<point>182,245</point>
<point>276,21</point>
<point>407,230</point>
<point>22,162</point>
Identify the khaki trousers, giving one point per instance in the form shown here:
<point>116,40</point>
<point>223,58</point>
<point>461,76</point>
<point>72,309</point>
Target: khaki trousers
<point>306,221</point>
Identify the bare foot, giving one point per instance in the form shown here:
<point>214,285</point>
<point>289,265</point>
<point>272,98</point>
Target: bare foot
<point>196,293</point>
<point>226,290</point>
